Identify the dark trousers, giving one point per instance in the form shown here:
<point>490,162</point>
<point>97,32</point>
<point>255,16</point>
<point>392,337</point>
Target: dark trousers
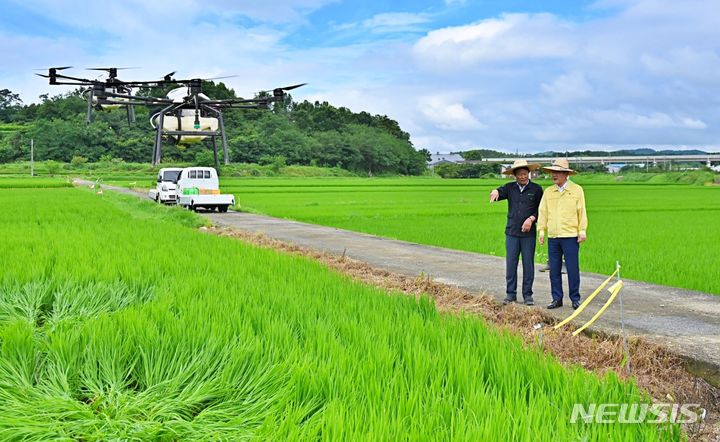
<point>514,247</point>
<point>570,249</point>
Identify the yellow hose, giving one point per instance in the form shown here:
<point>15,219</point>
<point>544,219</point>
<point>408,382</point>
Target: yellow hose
<point>615,289</point>
<point>586,302</point>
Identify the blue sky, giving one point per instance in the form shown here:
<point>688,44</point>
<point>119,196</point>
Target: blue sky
<point>513,75</point>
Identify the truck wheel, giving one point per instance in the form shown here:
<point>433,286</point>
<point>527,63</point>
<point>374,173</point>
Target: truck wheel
<point>223,209</point>
<point>157,198</point>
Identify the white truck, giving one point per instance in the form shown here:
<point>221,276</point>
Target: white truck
<point>191,187</point>
<point>166,189</point>
<point>198,187</point>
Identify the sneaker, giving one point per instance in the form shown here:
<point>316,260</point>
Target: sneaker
<point>529,302</point>
<point>575,305</point>
<point>507,301</point>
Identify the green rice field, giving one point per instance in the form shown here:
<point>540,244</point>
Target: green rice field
<point>30,183</point>
<point>667,234</point>
<point>119,320</point>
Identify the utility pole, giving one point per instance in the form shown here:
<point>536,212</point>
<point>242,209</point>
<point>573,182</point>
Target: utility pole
<point>32,159</point>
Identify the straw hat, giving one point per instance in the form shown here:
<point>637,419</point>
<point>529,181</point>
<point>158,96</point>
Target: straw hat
<point>519,164</point>
<point>560,165</point>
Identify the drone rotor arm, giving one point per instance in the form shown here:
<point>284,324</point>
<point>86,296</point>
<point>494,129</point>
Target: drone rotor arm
<point>240,101</point>
<point>256,105</point>
<point>70,83</point>
<point>71,78</point>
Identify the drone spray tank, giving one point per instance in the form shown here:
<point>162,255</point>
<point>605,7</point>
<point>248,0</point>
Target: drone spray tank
<point>186,119</point>
<point>99,96</point>
<point>189,120</point>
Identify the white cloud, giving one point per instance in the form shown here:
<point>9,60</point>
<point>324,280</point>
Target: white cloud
<point>448,115</point>
<point>112,17</point>
<point>653,120</point>
<point>167,14</point>
<point>395,22</point>
<point>639,74</point>
<point>441,144</point>
<point>692,123</point>
<point>567,88</point>
<point>684,63</point>
<point>510,37</point>
<point>389,22</point>
<point>25,54</point>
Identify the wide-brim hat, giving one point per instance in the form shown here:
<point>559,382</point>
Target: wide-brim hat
<point>520,164</point>
<point>560,165</point>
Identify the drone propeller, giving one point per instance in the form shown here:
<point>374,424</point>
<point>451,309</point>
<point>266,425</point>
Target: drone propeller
<point>279,92</point>
<point>112,72</point>
<point>192,81</point>
<point>219,78</point>
<point>289,88</point>
<point>57,68</point>
<point>111,69</point>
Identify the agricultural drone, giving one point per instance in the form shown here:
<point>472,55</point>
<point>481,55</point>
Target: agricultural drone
<point>186,115</point>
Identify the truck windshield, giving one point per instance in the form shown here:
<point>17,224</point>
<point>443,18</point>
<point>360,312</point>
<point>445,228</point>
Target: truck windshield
<point>171,175</point>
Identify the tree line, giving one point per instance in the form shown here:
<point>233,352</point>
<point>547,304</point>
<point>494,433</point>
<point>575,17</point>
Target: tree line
<point>292,133</point>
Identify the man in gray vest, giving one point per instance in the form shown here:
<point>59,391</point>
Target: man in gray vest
<point>523,201</point>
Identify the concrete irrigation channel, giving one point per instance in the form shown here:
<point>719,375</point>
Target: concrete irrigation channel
<point>685,321</point>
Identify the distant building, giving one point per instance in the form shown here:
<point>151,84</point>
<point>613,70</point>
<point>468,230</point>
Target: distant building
<point>615,167</point>
<point>440,158</point>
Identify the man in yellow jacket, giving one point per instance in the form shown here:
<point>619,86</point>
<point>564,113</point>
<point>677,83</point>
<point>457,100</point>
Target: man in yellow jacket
<point>563,216</point>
